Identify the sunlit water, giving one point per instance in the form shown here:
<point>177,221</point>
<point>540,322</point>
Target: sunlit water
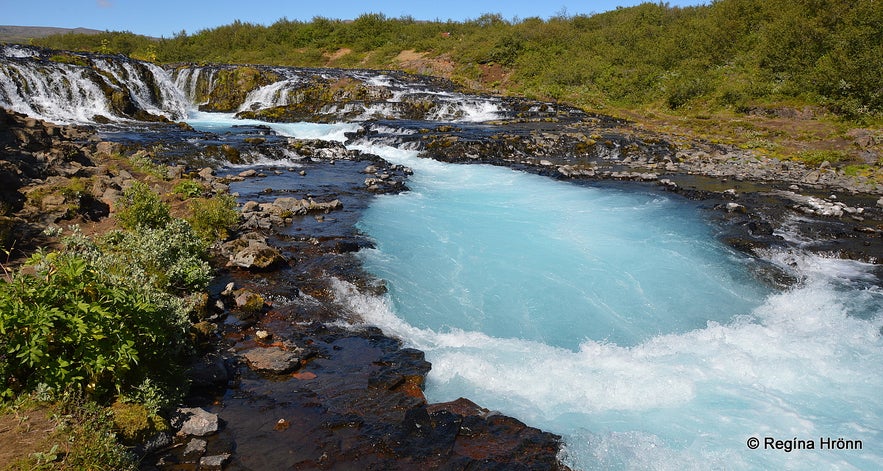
<point>614,318</point>
<point>611,316</point>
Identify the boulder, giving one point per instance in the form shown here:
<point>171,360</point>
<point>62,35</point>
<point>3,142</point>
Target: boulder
<point>251,251</point>
<point>274,359</point>
<point>257,256</point>
<point>195,421</point>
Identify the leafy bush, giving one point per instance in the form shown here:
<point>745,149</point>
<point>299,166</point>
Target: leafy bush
<point>188,189</point>
<point>815,158</point>
<point>171,258</point>
<point>68,326</point>
<point>213,218</point>
<point>140,207</point>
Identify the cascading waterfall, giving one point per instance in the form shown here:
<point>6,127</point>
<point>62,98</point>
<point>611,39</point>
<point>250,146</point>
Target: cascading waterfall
<point>55,92</point>
<point>195,82</point>
<point>275,94</point>
<point>151,90</point>
<point>90,87</point>
<point>86,88</point>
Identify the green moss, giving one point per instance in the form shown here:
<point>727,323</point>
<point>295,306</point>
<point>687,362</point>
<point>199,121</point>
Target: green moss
<point>134,423</point>
<point>67,58</point>
<point>815,158</point>
<point>253,303</point>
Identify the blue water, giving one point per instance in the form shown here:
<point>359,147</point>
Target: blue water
<point>613,317</point>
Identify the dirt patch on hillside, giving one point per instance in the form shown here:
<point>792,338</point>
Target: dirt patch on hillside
<point>419,63</point>
<point>337,54</point>
<point>23,433</point>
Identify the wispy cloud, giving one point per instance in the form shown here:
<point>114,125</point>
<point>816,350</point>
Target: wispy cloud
<point>105,3</point>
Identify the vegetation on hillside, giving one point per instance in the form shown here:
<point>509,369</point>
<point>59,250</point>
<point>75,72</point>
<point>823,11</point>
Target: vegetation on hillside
<point>95,334</point>
<point>730,54</point>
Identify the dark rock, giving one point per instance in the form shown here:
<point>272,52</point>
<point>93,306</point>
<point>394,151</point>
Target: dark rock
<point>208,373</point>
<point>274,359</point>
<point>195,421</point>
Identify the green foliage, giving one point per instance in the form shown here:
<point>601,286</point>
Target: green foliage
<point>171,258</point>
<point>815,158</point>
<point>188,189</point>
<point>213,218</point>
<point>141,207</point>
<point>67,326</point>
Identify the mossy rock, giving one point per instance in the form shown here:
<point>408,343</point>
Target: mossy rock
<point>134,424</point>
<point>232,86</point>
<point>67,58</point>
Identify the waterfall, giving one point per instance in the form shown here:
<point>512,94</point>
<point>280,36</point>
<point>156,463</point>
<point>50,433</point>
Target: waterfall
<point>195,82</point>
<point>83,88</point>
<point>56,92</point>
<point>69,87</point>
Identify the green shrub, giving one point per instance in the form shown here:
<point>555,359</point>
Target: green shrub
<point>188,189</point>
<point>171,258</point>
<point>67,327</point>
<point>140,207</point>
<point>213,218</point>
<point>815,158</point>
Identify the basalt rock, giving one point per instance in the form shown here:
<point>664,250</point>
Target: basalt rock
<point>251,251</point>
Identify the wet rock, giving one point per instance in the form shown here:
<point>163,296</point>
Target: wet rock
<point>195,446</point>
<point>214,461</point>
<point>249,301</point>
<point>208,373</point>
<point>195,421</point>
<point>735,208</point>
<point>251,251</point>
<point>274,359</point>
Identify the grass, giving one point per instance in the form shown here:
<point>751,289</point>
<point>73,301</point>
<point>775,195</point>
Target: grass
<point>70,434</point>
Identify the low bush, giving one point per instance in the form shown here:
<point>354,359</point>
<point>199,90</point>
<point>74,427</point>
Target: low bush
<point>815,158</point>
<point>188,189</point>
<point>67,326</point>
<point>140,207</point>
<point>213,218</point>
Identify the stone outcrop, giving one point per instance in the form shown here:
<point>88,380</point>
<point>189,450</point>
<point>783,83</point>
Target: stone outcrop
<point>48,173</point>
<point>252,252</point>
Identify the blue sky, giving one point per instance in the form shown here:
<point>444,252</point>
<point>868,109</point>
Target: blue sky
<point>167,17</point>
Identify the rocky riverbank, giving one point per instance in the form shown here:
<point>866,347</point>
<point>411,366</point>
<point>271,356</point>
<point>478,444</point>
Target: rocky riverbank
<point>280,383</point>
<point>287,376</point>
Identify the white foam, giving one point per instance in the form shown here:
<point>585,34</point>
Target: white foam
<point>221,121</point>
<point>798,365</point>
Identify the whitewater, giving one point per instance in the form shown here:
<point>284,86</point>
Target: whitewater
<point>613,317</point>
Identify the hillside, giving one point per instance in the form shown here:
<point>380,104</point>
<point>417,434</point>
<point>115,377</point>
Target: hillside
<point>24,34</point>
